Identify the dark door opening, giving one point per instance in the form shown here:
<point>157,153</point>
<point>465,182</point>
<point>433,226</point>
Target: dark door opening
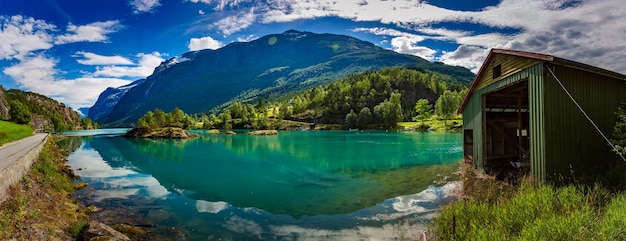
<point>506,134</point>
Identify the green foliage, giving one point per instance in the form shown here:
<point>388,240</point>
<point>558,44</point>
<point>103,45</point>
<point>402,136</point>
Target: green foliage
<point>260,106</point>
<point>41,201</point>
<point>365,117</point>
<point>390,111</point>
<point>534,213</point>
<point>237,110</point>
<point>10,131</point>
<point>87,123</point>
<point>19,113</point>
<point>492,210</point>
<point>45,107</point>
<point>423,109</point>
<point>619,132</point>
<point>284,111</point>
<point>51,172</point>
<point>352,119</point>
<point>57,123</point>
<point>613,226</point>
<point>371,89</point>
<point>158,118</point>
<point>226,120</point>
<point>448,103</point>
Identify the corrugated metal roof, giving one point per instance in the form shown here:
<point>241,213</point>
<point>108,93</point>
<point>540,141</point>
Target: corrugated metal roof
<point>537,56</point>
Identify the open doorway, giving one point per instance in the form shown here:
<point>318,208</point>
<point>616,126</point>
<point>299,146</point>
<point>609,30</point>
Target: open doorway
<point>506,135</point>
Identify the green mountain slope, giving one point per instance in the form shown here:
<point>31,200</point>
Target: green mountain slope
<point>269,66</point>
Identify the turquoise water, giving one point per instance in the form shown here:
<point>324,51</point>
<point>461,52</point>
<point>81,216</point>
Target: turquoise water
<point>295,186</point>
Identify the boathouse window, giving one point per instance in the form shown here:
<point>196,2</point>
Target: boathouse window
<point>497,71</point>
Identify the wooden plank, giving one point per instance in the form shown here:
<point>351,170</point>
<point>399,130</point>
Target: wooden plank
<point>508,138</point>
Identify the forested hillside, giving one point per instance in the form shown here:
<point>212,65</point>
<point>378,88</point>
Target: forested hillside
<point>43,113</point>
<point>367,100</point>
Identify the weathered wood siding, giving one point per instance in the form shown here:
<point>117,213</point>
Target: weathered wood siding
<point>509,65</point>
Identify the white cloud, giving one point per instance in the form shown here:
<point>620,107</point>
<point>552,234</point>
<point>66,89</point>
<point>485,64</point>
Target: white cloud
<point>147,63</point>
<point>204,43</point>
<point>404,42</point>
<point>221,4</point>
<point>93,32</point>
<point>96,59</point>
<point>39,74</point>
<point>235,23</point>
<point>408,45</point>
<point>467,56</point>
<point>142,6</point>
<point>586,31</point>
<point>20,36</point>
<point>248,38</point>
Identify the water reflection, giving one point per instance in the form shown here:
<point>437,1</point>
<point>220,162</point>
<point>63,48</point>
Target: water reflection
<point>250,188</point>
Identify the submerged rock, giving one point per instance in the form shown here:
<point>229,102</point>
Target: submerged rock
<point>165,132</point>
<point>100,231</point>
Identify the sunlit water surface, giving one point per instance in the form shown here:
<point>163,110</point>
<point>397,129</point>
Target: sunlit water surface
<point>299,185</point>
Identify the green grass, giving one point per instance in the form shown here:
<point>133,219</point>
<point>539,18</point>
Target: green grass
<point>435,123</point>
<point>11,132</point>
<point>533,211</point>
<point>40,206</point>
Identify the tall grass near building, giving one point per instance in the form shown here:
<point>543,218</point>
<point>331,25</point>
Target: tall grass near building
<point>493,210</point>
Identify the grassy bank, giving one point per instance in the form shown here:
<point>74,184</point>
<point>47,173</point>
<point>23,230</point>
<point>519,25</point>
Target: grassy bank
<point>493,210</point>
<point>10,132</point>
<point>433,123</point>
<point>40,207</point>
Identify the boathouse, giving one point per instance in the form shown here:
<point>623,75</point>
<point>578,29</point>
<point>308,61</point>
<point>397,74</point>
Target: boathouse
<point>540,114</point>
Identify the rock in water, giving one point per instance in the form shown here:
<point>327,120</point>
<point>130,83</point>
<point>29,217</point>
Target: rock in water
<point>100,231</point>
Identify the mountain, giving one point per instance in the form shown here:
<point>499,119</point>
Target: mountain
<point>108,99</point>
<point>4,105</point>
<point>202,80</point>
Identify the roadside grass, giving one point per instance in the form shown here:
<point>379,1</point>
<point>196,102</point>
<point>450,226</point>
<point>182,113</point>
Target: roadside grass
<point>40,207</point>
<point>494,210</point>
<point>11,132</point>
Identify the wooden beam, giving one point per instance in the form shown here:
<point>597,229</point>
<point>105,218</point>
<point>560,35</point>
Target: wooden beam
<point>508,138</point>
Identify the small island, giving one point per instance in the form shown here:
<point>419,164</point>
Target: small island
<point>160,133</point>
<point>263,133</point>
<point>161,125</point>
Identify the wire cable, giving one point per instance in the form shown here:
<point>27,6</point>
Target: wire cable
<point>586,116</point>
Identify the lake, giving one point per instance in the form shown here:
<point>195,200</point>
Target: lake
<point>298,185</point>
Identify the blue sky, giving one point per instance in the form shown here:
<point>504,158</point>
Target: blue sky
<point>72,50</point>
